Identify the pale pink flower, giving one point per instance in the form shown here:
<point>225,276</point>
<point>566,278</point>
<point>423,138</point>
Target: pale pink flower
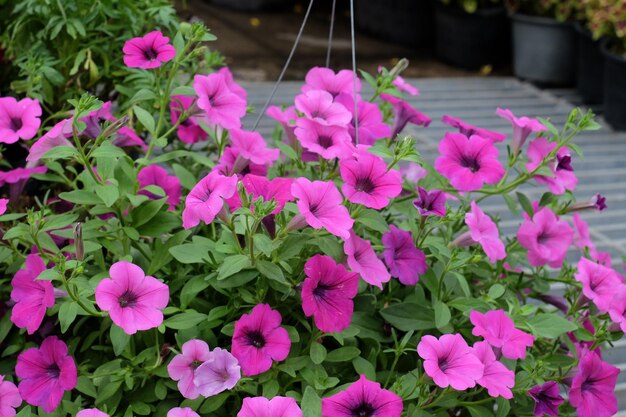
<point>319,78</point>
<point>484,231</point>
<point>219,372</point>
<point>497,378</point>
<point>183,366</point>
<point>206,199</point>
<point>318,105</point>
<point>18,119</point>
<point>499,331</point>
<point>327,141</point>
<point>10,398</point>
<point>32,296</point>
<point>91,412</point>
<point>221,106</point>
<point>363,260</point>
<point>182,412</point>
<point>276,407</point>
<point>522,127</point>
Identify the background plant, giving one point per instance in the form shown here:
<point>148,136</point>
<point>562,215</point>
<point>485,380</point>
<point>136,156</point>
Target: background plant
<point>561,10</point>
<point>470,6</point>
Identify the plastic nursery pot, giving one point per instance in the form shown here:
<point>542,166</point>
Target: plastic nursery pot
<point>404,21</point>
<point>249,5</point>
<point>544,50</point>
<point>614,88</point>
<point>590,81</point>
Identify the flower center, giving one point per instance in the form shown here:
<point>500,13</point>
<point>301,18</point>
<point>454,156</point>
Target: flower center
<point>128,299</point>
<point>543,238</point>
<point>196,363</point>
<point>587,385</point>
<point>53,371</point>
<point>363,410</point>
<point>325,141</point>
<point>564,163</point>
<point>364,185</point>
<point>443,364</point>
<point>150,54</point>
<point>470,162</point>
<point>320,290</point>
<point>255,338</point>
<point>15,124</point>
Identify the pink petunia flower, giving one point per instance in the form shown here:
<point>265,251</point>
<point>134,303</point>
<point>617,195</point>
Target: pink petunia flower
<point>468,163</point>
<point>190,130</point>
<point>277,189</point>
<point>206,199</point>
<point>57,136</point>
<point>563,178</point>
<point>547,399</point>
<point>413,172</point>
<point>405,261</point>
<point>156,175</point>
<point>258,340</point>
<point>327,293</point>
<point>149,51</point>
<point>287,119</point>
<point>182,412</point>
<point>32,296</point>
<point>522,127</point>
<point>600,283</point>
<point>617,307</point>
<point>363,398</point>
<point>329,142</point>
<point>219,372</point>
<point>582,237</point>
<point>405,87</point>
<point>126,137</point>
<point>499,331</point>
<point>497,378</point>
<point>363,260</point>
<point>183,366</point>
<point>3,205</point>
<point>222,107</point>
<point>484,231</point>
<point>134,301</point>
<point>319,78</point>
<point>320,206</point>
<point>276,407</point>
<point>226,164</point>
<point>10,398</point>
<point>593,388</point>
<point>251,149</point>
<point>319,106</point>
<point>94,120</point>
<point>232,84</point>
<point>19,119</point>
<point>449,361</point>
<point>20,174</point>
<point>46,373</point>
<point>430,203</point>
<point>370,121</point>
<point>404,113</point>
<point>91,412</point>
<point>546,238</point>
<point>470,130</point>
<point>367,180</point>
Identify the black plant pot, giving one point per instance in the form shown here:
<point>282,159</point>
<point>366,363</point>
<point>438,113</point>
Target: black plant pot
<point>614,88</point>
<point>472,40</point>
<point>249,5</point>
<point>404,21</point>
<point>544,50</point>
<point>590,83</point>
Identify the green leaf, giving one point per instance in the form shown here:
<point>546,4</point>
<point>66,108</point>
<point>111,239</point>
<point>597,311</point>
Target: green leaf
<point>442,314</point>
<point>373,220</point>
<point>363,366</point>
<point>82,197</point>
<point>550,325</point>
<point>108,150</point>
<point>109,193</point>
<point>526,204</point>
<point>311,403</point>
<point>60,152</point>
<point>184,90</point>
<point>59,221</point>
<point>343,354</point>
<point>233,264</point>
<point>191,253</point>
<point>271,271</point>
<point>85,386</point>
<point>186,320</point>
<point>287,150</point>
<point>67,314</point>
<point>192,288</point>
<point>409,316</point>
<point>317,353</point>
<point>145,212</point>
<point>145,118</point>
<point>496,291</point>
<point>119,339</point>
<point>142,95</point>
<point>504,406</point>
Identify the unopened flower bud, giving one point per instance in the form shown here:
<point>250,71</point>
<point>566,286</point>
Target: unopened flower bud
<point>78,242</point>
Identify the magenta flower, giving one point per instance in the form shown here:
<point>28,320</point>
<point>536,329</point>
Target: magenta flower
<point>10,398</point>
<point>149,51</point>
<point>222,107</point>
<point>183,366</point>
<point>134,301</point>
<point>319,106</point>
<point>57,136</point>
<point>469,130</point>
<point>320,206</point>
<point>449,361</point>
<point>251,149</point>
<point>367,180</point>
<point>91,412</point>
<point>3,205</point>
<point>126,137</point>
<point>404,113</point>
<point>546,238</point>
<point>319,78</point>
<point>32,296</point>
<point>327,141</point>
<point>156,175</point>
<point>413,172</point>
<point>600,283</point>
<point>258,340</point>
<point>363,260</point>
<point>430,203</point>
<point>276,407</point>
<point>46,373</point>
<point>499,331</point>
<point>231,84</point>
<point>593,388</point>
<point>563,178</point>
<point>370,120</point>
<point>485,232</point>
<point>287,119</point>
<point>405,87</point>
<point>182,412</point>
<point>468,163</point>
<point>404,260</point>
<point>206,199</point>
<point>582,237</point>
<point>20,174</point>
<point>219,372</point>
<point>327,293</point>
<point>226,164</point>
<point>497,378</point>
<point>547,399</point>
<point>190,130</point>
<point>277,189</point>
<point>617,307</point>
<point>522,127</point>
<point>18,119</point>
<point>363,398</point>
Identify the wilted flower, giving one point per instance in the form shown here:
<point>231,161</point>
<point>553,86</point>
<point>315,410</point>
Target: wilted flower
<point>484,231</point>
<point>189,131</point>
<point>404,113</point>
<point>547,399</point>
<point>156,175</point>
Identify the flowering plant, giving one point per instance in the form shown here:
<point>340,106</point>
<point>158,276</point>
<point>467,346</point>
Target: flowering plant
<point>606,19</point>
<point>561,10</point>
<point>470,6</point>
<point>330,271</point>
